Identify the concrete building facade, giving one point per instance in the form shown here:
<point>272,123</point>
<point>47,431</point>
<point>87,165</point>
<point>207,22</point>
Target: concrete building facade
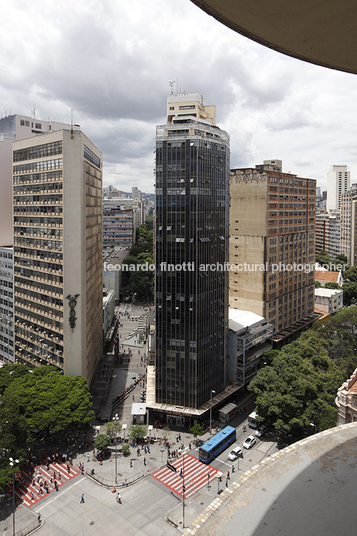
<point>119,224</point>
<point>58,307</point>
<point>328,300</point>
<point>338,182</point>
<point>6,306</point>
<point>16,127</point>
<point>272,245</point>
<point>346,401</point>
<point>349,225</point>
<point>249,336</point>
<point>328,232</point>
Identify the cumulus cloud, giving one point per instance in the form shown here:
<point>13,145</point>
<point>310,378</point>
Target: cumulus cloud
<point>111,62</point>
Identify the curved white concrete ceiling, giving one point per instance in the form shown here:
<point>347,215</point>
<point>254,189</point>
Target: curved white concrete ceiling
<point>318,31</point>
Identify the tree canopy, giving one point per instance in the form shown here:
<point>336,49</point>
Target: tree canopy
<point>298,384</point>
<point>137,432</point>
<point>196,430</point>
<point>37,406</point>
<point>101,442</point>
<point>298,387</point>
<point>112,428</point>
<point>140,282</point>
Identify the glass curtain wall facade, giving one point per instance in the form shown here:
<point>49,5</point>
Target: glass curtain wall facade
<point>191,232</point>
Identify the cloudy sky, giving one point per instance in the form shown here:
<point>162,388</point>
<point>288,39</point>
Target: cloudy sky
<point>111,62</point>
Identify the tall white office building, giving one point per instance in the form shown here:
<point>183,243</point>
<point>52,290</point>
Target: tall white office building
<point>16,127</point>
<point>338,182</point>
<point>58,286</point>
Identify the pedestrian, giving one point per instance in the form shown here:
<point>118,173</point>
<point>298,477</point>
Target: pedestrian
<point>39,517</point>
<point>131,464</point>
<point>144,461</point>
<point>233,469</point>
<point>87,457</point>
<point>228,475</point>
<point>82,498</point>
<point>133,397</point>
<point>189,445</point>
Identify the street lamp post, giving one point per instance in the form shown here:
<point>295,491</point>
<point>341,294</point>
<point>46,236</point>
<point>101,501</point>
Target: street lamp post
<point>124,428</point>
<point>115,419</point>
<point>210,413</point>
<point>12,463</point>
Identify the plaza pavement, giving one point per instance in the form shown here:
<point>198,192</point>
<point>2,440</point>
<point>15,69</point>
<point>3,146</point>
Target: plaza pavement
<point>147,502</point>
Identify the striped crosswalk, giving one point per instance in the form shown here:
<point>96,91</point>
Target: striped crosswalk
<point>190,472</point>
<point>31,488</point>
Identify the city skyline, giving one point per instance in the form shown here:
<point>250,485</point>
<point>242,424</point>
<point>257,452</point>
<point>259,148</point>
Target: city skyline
<point>116,77</point>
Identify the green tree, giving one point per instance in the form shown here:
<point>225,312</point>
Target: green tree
<point>112,429</point>
<point>349,293</point>
<point>350,275</point>
<point>150,221</point>
<point>324,258</point>
<point>340,259</point>
<point>331,285</point>
<point>288,390</point>
<point>338,336</point>
<point>196,430</point>
<point>52,404</point>
<point>13,436</point>
<point>101,442</point>
<point>126,449</point>
<point>140,282</point>
<point>318,284</point>
<point>137,432</point>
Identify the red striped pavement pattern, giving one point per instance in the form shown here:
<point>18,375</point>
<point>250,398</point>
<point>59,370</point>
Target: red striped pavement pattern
<point>195,475</point>
<point>27,487</point>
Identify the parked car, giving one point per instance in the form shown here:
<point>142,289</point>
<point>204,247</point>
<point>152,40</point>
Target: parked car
<point>249,442</point>
<point>235,453</point>
<point>262,430</point>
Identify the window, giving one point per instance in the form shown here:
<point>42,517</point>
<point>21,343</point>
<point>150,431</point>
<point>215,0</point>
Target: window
<point>91,157</point>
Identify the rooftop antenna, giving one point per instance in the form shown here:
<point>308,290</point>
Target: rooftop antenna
<point>171,84</point>
<point>34,112</point>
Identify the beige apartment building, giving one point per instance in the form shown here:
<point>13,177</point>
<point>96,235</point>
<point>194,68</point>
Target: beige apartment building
<point>57,206</point>
<point>271,244</point>
<point>349,225</point>
<point>16,127</point>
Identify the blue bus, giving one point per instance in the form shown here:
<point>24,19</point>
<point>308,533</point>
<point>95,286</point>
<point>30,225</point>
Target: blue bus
<point>217,444</point>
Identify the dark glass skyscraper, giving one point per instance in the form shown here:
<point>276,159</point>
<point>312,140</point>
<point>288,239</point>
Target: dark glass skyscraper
<point>191,249</point>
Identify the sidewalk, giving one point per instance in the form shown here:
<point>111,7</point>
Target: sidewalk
<point>114,377</point>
